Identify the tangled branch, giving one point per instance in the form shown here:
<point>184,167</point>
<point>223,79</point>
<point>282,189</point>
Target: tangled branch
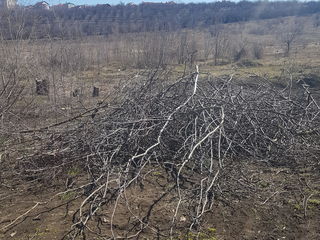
<point>188,131</point>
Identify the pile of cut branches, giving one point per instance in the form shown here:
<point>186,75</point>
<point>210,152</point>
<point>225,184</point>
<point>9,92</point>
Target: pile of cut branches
<point>189,131</point>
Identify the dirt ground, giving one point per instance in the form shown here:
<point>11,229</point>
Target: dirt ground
<point>268,203</point>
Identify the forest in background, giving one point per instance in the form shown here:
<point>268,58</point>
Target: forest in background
<point>105,19</point>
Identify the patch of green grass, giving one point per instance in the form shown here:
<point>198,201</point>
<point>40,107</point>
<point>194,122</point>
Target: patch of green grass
<point>3,140</point>
<point>73,172</point>
<point>314,192</point>
<point>39,234</point>
<point>264,184</point>
<point>68,196</point>
<point>245,63</point>
<point>312,203</point>
<point>212,230</point>
<point>208,234</point>
<point>157,173</point>
<point>315,202</point>
<point>297,206</point>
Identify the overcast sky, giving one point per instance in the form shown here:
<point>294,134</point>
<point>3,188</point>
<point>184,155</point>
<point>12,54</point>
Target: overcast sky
<point>93,2</point>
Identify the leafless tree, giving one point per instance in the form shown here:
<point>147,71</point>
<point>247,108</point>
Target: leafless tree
<point>220,42</point>
<point>14,77</point>
<point>289,34</point>
<point>257,50</point>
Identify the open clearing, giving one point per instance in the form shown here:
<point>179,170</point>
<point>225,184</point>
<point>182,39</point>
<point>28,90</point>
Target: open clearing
<point>276,197</point>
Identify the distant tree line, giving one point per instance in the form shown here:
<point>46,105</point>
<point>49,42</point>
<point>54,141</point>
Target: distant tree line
<point>106,19</point>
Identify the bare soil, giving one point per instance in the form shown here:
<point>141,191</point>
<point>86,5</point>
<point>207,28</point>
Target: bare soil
<point>267,203</point>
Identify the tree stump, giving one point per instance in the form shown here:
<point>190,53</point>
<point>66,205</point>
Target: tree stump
<point>76,93</point>
<point>95,92</point>
<point>42,87</point>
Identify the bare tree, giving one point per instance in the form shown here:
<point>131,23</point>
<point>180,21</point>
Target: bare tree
<point>239,48</point>
<point>219,41</point>
<point>289,34</point>
<point>257,50</point>
<point>12,66</point>
<point>316,20</point>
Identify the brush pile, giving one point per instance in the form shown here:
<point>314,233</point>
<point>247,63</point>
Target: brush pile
<point>189,130</point>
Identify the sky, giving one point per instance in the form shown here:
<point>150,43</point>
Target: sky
<point>94,2</point>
